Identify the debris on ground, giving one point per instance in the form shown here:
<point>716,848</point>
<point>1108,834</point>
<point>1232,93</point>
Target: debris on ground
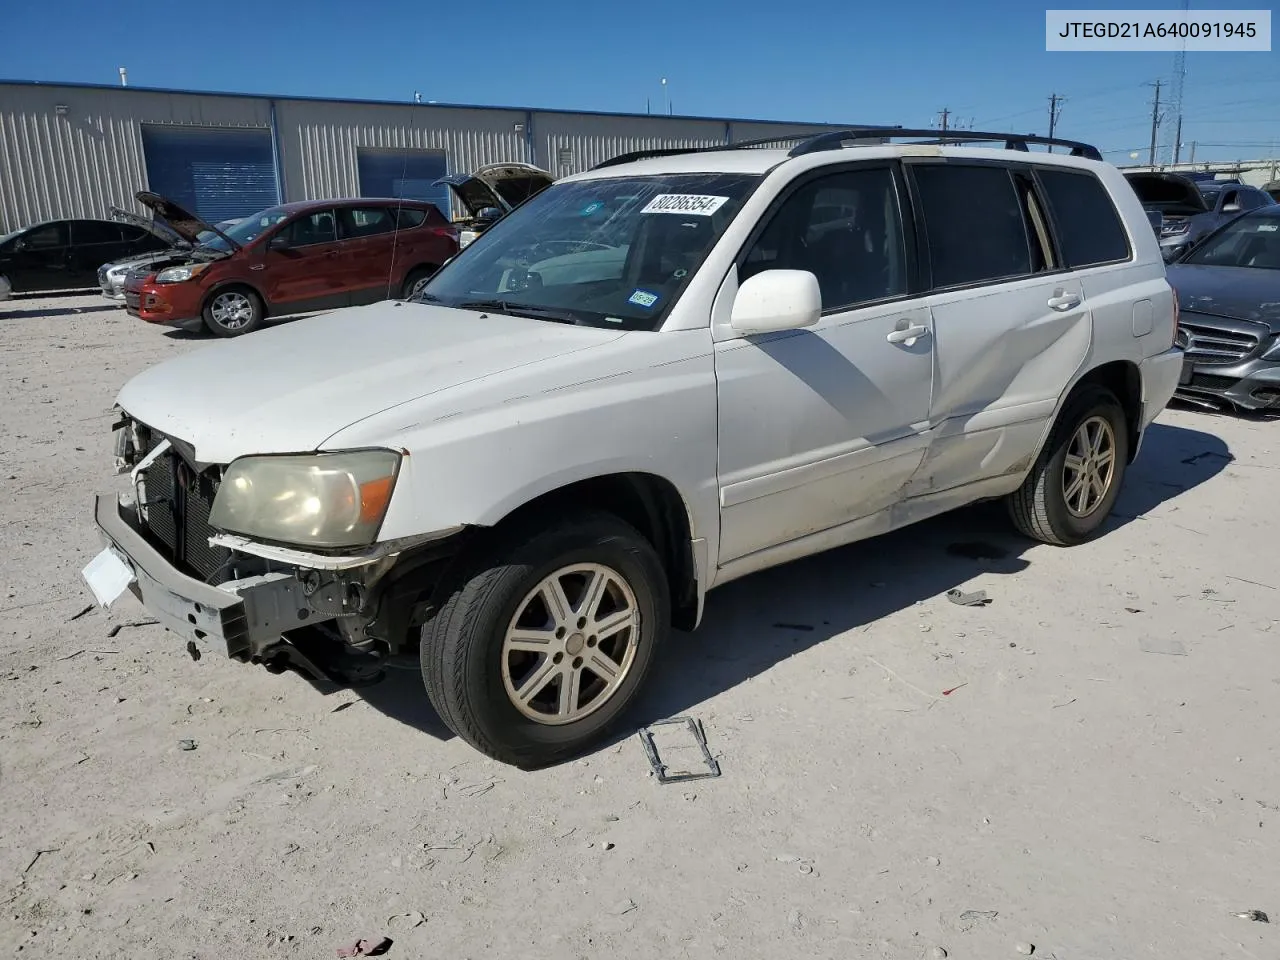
<point>1132,610</point>
<point>132,623</point>
<point>947,693</point>
<point>366,948</point>
<point>624,907</point>
<point>192,650</point>
<point>1024,948</point>
<point>85,612</point>
<point>979,915</point>
<point>186,744</point>
<point>937,953</point>
<point>413,919</point>
<point>977,598</point>
<point>39,854</point>
<point>693,731</point>
<point>1172,648</point>
<point>1257,916</point>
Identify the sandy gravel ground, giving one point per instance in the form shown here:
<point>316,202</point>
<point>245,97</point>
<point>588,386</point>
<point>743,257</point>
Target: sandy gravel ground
<point>1102,781</point>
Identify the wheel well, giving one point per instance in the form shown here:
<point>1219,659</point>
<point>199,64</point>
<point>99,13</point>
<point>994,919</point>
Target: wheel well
<point>1123,379</point>
<point>650,504</point>
<point>428,268</point>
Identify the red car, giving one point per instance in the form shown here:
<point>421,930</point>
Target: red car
<point>294,258</point>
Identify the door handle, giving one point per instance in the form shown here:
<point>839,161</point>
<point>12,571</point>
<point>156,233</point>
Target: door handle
<point>908,335</point>
<point>1062,300</point>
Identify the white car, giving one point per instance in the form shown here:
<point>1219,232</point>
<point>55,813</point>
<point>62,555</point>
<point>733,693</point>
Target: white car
<point>650,379</point>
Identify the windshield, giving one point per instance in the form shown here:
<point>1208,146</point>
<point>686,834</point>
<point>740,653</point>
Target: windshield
<point>1246,242</point>
<point>611,253</point>
<point>244,232</point>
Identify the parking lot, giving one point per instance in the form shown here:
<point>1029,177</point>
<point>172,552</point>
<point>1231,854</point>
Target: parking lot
<point>1087,766</point>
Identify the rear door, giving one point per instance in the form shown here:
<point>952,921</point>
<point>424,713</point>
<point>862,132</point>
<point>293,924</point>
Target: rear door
<point>306,273</point>
<point>366,236</point>
<point>93,243</point>
<point>41,260</point>
<point>1010,323</point>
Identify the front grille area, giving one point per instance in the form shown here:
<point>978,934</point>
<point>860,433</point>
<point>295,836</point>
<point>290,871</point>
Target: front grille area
<point>1205,344</point>
<point>177,502</point>
<point>1205,381</point>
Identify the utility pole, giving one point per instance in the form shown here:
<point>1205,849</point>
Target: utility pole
<point>1055,108</point>
<point>945,115</point>
<point>1193,152</point>
<point>1155,124</point>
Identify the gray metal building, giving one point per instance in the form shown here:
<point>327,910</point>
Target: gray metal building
<point>76,150</point>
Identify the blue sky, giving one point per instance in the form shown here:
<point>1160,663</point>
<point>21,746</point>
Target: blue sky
<point>808,60</point>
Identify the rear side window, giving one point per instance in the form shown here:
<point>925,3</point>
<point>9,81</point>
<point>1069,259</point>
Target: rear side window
<point>1089,229</point>
<point>311,229</point>
<point>407,217</point>
<point>365,221</point>
<point>974,224</point>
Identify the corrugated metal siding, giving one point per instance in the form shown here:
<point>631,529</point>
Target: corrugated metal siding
<point>570,143</point>
<point>84,162</point>
<point>319,140</point>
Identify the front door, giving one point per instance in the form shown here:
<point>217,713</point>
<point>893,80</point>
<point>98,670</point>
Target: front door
<point>307,273</point>
<point>823,426</point>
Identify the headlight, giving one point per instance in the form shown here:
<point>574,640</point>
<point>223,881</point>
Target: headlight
<point>319,500</point>
<point>180,274</point>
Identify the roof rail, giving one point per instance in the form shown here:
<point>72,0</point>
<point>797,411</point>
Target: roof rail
<point>1012,141</point>
<point>739,145</point>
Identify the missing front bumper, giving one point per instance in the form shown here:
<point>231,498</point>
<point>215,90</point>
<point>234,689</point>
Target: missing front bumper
<point>246,617</point>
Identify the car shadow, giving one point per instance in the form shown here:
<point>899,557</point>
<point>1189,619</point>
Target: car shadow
<point>200,333</point>
<point>6,314</point>
<point>752,624</point>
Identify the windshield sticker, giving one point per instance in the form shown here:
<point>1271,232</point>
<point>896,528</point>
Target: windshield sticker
<point>592,207</point>
<point>703,206</point>
<point>643,298</point>
<point>1268,227</point>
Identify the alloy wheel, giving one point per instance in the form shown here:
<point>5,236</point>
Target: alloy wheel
<point>1089,467</point>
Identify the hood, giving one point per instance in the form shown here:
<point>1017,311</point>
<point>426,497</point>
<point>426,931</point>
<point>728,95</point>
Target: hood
<point>1242,293</point>
<point>187,225</point>
<point>501,185</point>
<point>237,398</point>
<point>1168,193</point>
<point>157,228</point>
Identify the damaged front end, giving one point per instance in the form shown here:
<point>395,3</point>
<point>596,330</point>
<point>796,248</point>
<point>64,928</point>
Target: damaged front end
<point>335,615</point>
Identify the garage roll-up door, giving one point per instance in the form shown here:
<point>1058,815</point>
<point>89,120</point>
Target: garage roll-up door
<point>404,174</point>
<point>216,173</point>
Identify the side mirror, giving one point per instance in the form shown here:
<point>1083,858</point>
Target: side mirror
<point>1231,208</point>
<point>279,242</point>
<point>776,300</point>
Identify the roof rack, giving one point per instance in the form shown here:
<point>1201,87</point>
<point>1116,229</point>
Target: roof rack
<point>738,145</point>
<point>836,139</point>
<point>1012,141</point>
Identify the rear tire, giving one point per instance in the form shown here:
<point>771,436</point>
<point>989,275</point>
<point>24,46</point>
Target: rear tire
<point>233,311</point>
<point>1073,485</point>
<point>416,280</point>
<point>543,641</point>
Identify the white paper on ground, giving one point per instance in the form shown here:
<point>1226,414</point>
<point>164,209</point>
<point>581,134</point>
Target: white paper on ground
<point>108,576</point>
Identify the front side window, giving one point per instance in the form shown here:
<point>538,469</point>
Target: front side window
<point>1248,241</point>
<point>1251,199</point>
<point>312,228</point>
<point>846,230</point>
<point>86,232</point>
<point>1089,228</point>
<point>614,252</point>
<point>973,216</point>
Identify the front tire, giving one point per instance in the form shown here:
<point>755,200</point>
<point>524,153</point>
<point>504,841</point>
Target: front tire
<point>541,645</point>
<point>1075,481</point>
<point>233,311</point>
<point>416,280</point>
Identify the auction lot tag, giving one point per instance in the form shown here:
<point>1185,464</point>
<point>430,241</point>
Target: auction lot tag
<point>686,203</point>
<point>108,576</point>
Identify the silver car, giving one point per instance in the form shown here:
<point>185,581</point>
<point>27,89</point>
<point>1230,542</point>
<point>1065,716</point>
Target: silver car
<point>111,276</point>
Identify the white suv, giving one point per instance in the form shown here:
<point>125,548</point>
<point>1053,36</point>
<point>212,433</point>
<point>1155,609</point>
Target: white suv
<point>650,379</point>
